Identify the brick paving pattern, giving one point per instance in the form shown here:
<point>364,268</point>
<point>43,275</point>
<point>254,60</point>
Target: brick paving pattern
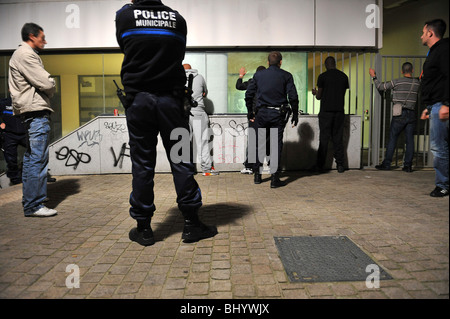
<point>389,215</point>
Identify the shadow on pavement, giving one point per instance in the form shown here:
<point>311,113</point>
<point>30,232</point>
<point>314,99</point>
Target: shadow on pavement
<point>60,190</point>
<point>216,214</point>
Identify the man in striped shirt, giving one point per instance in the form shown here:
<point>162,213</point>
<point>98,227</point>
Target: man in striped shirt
<point>405,92</point>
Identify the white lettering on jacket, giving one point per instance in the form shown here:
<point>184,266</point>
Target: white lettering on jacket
<point>158,15</point>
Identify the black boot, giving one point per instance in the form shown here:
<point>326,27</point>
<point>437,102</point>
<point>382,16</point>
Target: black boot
<point>257,178</point>
<point>142,234</point>
<point>194,230</point>
<point>276,182</point>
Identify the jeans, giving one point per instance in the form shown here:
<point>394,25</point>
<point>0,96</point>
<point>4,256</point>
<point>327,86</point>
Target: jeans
<point>147,116</point>
<point>35,163</point>
<point>405,121</point>
<point>439,146</point>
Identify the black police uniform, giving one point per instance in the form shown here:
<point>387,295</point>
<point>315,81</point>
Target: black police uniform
<point>273,88</point>
<point>13,135</point>
<point>242,86</point>
<point>152,37</point>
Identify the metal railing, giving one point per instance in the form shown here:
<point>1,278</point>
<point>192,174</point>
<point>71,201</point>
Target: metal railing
<point>375,108</point>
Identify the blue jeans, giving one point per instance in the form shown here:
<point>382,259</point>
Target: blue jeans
<point>35,164</point>
<point>439,146</point>
<point>405,121</point>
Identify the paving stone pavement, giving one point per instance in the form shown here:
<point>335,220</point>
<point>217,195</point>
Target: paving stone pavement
<point>389,215</point>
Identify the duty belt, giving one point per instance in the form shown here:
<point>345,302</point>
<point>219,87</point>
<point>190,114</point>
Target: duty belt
<point>271,107</point>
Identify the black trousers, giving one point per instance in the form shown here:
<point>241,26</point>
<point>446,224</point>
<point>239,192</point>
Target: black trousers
<point>269,127</point>
<point>331,125</point>
<point>147,116</point>
<point>10,143</point>
<point>251,141</point>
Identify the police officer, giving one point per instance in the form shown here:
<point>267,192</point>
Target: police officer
<point>13,134</point>
<point>242,86</point>
<point>274,89</point>
<point>152,37</point>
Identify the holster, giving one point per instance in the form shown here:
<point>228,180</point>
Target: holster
<point>125,99</point>
<point>187,103</point>
<point>285,112</point>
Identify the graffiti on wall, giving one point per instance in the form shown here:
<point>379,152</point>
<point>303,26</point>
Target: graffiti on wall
<point>72,157</point>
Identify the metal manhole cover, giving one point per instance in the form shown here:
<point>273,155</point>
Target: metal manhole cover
<point>325,259</point>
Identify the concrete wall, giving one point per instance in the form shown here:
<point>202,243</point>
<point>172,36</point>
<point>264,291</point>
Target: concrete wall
<point>232,23</point>
<point>101,146</point>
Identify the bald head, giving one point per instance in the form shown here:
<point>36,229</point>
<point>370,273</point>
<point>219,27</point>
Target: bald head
<point>187,66</point>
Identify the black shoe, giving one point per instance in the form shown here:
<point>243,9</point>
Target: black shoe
<point>383,167</point>
<point>340,169</point>
<point>439,192</point>
<point>407,169</point>
<point>143,237</point>
<point>195,230</point>
<point>257,178</point>
<point>275,182</point>
<point>16,181</point>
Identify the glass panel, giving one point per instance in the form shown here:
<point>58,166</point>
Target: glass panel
<point>216,77</point>
<point>294,62</point>
<point>98,96</point>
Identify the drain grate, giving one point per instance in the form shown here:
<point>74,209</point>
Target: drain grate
<point>324,259</point>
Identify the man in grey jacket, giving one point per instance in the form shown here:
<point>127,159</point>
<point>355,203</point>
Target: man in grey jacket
<point>31,88</point>
<point>199,122</point>
<point>405,91</point>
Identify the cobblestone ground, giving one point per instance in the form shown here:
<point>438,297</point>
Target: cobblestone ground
<point>389,215</point>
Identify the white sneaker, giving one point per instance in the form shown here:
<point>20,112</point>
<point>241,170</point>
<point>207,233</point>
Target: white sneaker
<point>246,170</point>
<point>43,212</point>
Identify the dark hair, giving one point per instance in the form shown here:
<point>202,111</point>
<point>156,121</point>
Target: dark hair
<point>30,28</point>
<point>330,63</point>
<point>260,68</point>
<point>438,26</point>
<point>274,58</point>
<point>407,67</point>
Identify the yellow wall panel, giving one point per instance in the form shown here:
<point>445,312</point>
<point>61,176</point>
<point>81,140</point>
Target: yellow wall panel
<point>69,101</point>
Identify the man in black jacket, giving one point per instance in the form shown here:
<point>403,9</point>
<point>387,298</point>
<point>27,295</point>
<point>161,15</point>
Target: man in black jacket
<point>333,85</point>
<point>152,37</point>
<point>13,134</point>
<point>273,88</point>
<point>435,89</point>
